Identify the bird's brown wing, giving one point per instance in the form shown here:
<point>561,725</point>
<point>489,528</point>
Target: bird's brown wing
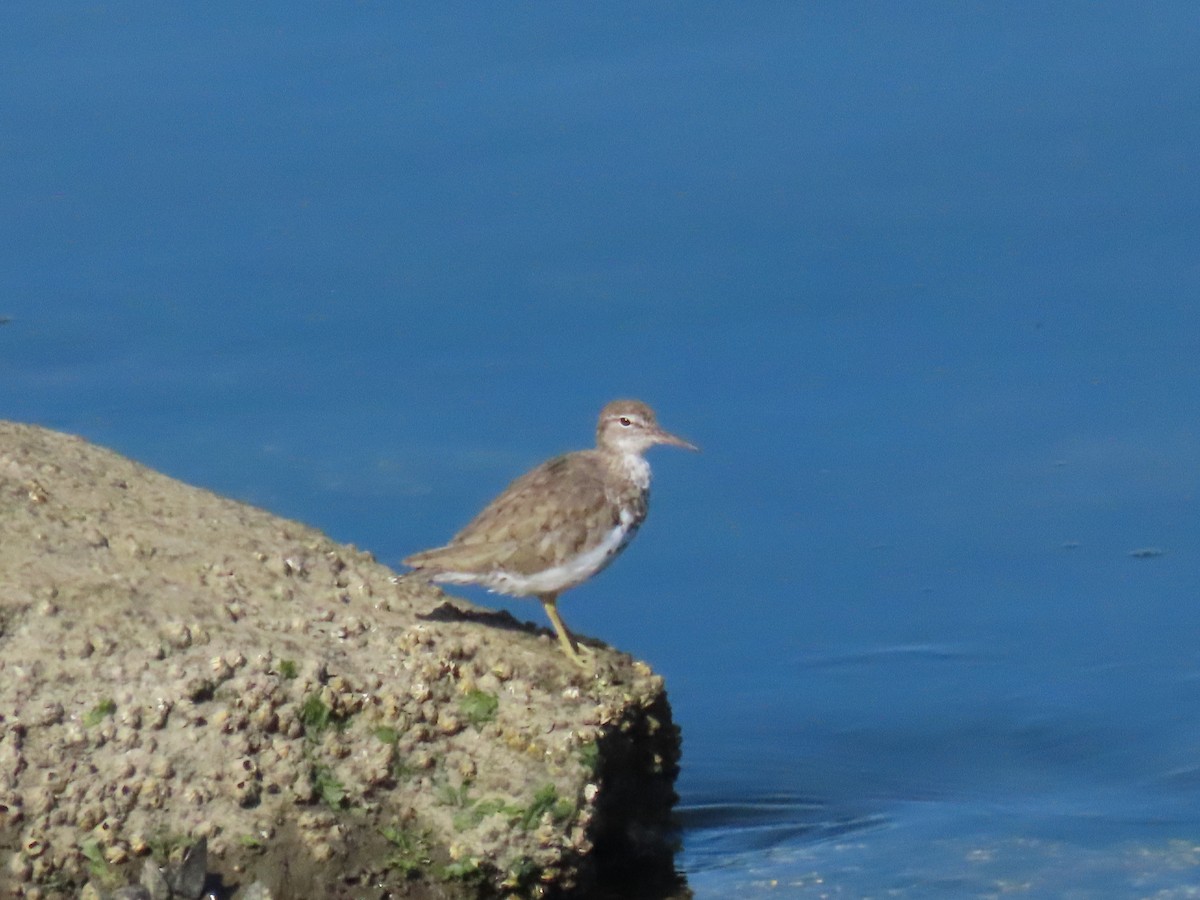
<point>460,558</point>
<point>541,519</point>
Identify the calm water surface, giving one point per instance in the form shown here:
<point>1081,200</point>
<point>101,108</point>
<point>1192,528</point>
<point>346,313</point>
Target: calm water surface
<point>920,278</point>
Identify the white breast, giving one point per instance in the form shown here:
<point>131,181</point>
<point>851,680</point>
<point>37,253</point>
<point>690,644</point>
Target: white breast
<point>637,469</point>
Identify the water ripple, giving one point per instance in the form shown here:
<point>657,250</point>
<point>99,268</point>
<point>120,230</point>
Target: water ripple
<point>935,652</point>
<point>720,834</point>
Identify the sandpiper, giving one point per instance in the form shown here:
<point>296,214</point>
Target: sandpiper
<point>561,523</point>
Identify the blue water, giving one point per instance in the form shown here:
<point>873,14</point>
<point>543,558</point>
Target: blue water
<point>920,278</point>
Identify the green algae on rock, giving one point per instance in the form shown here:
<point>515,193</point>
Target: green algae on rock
<point>175,666</point>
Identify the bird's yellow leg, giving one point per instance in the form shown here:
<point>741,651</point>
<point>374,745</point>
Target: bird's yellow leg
<point>570,647</point>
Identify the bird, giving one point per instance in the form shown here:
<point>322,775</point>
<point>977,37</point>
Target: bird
<point>560,523</point>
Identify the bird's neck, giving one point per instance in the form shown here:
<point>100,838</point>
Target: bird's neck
<point>631,467</point>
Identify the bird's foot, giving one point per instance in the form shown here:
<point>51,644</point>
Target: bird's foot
<point>582,655</point>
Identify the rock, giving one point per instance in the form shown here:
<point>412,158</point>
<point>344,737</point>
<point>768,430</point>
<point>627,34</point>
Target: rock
<point>178,670</point>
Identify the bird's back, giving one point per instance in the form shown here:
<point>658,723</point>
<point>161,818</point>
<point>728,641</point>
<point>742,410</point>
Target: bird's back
<point>545,518</point>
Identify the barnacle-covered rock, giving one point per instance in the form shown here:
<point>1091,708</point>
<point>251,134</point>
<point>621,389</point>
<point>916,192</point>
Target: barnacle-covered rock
<point>195,694</point>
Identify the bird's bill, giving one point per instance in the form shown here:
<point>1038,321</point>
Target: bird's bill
<point>665,437</point>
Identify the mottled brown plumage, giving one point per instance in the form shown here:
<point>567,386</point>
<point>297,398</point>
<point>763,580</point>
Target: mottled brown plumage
<point>561,523</point>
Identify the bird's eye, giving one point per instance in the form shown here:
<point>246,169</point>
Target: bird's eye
<point>624,420</point>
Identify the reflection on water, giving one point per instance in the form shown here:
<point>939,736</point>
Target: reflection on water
<point>935,769</point>
<point>934,850</point>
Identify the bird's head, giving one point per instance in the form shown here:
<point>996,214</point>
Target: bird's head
<point>629,426</point>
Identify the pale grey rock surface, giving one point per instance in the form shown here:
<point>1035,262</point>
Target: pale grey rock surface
<point>177,666</point>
